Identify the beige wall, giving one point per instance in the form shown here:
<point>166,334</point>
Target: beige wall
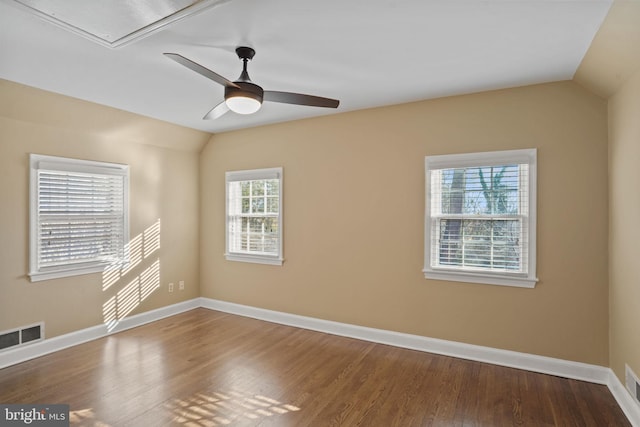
<point>163,163</point>
<point>624,171</point>
<point>354,201</point>
<point>611,68</point>
<point>353,220</point>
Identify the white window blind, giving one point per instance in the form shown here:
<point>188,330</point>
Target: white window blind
<point>79,218</point>
<point>480,220</point>
<point>254,216</point>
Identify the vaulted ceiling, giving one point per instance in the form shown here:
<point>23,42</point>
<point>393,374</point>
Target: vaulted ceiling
<point>364,53</point>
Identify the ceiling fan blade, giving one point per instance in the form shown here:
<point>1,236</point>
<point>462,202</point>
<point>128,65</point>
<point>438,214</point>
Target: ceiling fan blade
<point>200,69</point>
<point>216,112</point>
<point>300,99</point>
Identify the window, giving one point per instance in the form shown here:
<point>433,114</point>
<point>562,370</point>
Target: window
<point>78,216</point>
<point>254,216</point>
<point>480,221</point>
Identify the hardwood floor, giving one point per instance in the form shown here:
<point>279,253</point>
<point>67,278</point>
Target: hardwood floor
<point>207,368</point>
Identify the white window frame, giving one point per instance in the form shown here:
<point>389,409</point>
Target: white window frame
<point>431,270</point>
<point>38,163</point>
<point>252,175</point>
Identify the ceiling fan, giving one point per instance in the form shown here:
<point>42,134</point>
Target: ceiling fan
<point>243,96</point>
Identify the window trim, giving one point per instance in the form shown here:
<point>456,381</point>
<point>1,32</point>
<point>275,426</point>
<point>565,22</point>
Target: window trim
<point>249,175</point>
<point>493,158</point>
<point>40,162</point>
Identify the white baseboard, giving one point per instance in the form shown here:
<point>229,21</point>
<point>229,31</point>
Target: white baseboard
<point>40,348</point>
<point>628,405</point>
<point>513,359</point>
<point>530,362</point>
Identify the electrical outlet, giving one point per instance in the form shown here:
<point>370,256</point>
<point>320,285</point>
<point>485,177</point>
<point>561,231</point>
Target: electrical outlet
<point>181,285</point>
<point>170,287</point>
<point>633,383</point>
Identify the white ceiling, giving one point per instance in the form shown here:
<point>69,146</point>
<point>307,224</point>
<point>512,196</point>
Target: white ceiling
<point>366,53</point>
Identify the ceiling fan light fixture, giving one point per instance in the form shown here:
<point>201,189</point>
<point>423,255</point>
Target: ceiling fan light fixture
<point>245,99</point>
<point>243,104</point>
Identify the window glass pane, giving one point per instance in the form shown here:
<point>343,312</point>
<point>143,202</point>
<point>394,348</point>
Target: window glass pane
<point>257,205</point>
<point>271,225</point>
<point>246,203</point>
<point>452,191</point>
<point>273,187</point>
<point>498,183</point>
<point>506,244</point>
<point>474,203</point>
<point>451,242</point>
<point>473,179</point>
<point>477,243</point>
<point>255,225</point>
<point>245,224</point>
<point>71,241</point>
<point>246,188</point>
<point>259,235</point>
<point>491,244</point>
<point>272,205</point>
<point>257,188</point>
<point>270,244</point>
<point>480,190</point>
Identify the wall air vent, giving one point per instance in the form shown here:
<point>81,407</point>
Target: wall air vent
<point>633,383</point>
<point>114,23</point>
<point>21,336</point>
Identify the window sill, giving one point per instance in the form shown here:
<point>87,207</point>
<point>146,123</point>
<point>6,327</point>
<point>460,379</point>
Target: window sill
<point>58,273</point>
<point>256,259</point>
<point>487,279</point>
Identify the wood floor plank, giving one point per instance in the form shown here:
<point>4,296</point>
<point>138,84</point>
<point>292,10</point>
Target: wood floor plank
<point>207,368</point>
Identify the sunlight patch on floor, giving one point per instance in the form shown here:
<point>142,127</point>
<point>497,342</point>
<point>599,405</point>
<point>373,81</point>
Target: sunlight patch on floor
<point>224,408</point>
<point>85,417</point>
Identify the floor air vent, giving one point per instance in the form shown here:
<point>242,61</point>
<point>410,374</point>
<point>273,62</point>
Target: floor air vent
<point>21,336</point>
